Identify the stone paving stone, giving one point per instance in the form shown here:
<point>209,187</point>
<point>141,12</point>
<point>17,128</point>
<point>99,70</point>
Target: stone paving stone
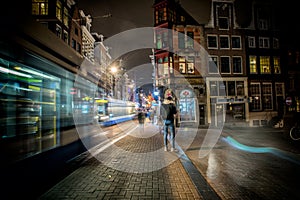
<point>105,179</point>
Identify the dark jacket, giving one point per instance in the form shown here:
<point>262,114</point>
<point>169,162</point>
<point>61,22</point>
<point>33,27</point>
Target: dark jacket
<point>168,110</point>
<point>141,117</point>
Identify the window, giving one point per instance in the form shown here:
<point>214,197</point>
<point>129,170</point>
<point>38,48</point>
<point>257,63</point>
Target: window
<point>187,106</point>
<point>158,41</point>
<point>58,10</point>
<point>276,63</point>
<point>190,40</point>
<point>66,17</point>
<point>251,42</point>
<point>213,65</point>
<point>78,48</point>
<point>264,42</point>
<point>160,15</point>
<point>166,66</point>
<point>160,67</point>
<point>190,65</point>
<point>237,64</point>
<point>265,67</point>
<point>171,65</point>
<point>76,31</point>
<point>262,24</point>
<point>279,88</point>
<point>212,42</point>
<point>181,42</point>
<point>171,15</point>
<point>213,88</point>
<point>222,88</point>
<point>182,65</point>
<point>225,64</point>
<point>224,42</point>
<point>279,92</point>
<point>39,7</point>
<point>223,23</point>
<point>73,44</point>
<point>275,43</point>
<point>267,96</point>
<point>240,88</point>
<point>236,42</point>
<point>231,88</point>
<point>252,65</point>
<point>58,31</point>
<point>255,95</point>
<point>66,37</point>
<point>165,39</point>
<point>182,18</point>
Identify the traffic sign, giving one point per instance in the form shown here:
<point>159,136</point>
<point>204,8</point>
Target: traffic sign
<point>288,101</point>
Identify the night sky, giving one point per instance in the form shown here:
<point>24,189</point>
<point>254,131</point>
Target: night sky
<point>130,14</point>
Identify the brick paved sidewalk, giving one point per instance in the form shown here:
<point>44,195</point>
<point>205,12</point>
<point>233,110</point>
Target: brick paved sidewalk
<point>135,167</point>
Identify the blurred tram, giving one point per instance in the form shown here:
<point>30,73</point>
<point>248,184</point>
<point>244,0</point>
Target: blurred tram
<point>44,96</point>
<point>42,102</point>
<point>109,108</point>
<point>39,110</point>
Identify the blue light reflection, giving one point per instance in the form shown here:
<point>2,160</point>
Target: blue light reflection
<point>277,152</point>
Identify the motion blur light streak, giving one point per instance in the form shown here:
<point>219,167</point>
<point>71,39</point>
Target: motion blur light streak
<point>277,152</point>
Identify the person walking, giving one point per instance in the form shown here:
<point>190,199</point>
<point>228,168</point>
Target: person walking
<point>141,118</point>
<point>168,112</point>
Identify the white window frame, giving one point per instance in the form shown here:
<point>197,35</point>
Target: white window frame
<point>251,42</point>
<point>58,31</point>
<point>270,95</point>
<point>240,41</point>
<point>229,63</point>
<point>228,41</point>
<point>217,45</point>
<point>240,66</point>
<point>214,59</point>
<point>276,64</point>
<point>228,23</point>
<point>256,69</point>
<point>258,95</point>
<point>264,42</point>
<point>268,64</point>
<point>66,37</point>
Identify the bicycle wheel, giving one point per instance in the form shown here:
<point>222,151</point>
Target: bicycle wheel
<point>295,133</point>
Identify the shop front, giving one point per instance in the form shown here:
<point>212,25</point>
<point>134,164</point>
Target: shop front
<point>228,102</point>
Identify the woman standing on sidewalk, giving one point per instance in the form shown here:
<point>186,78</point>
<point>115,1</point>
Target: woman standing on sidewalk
<point>168,113</point>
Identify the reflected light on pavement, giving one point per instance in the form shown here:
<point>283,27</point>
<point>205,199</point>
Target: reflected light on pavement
<point>277,152</point>
<point>212,168</point>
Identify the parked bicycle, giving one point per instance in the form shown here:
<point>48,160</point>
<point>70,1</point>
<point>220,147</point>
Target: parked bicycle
<point>295,132</point>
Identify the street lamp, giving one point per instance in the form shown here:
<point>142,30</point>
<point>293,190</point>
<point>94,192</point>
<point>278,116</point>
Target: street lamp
<point>114,70</point>
<point>152,57</point>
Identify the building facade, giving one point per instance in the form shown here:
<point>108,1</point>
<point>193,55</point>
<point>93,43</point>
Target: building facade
<point>226,72</point>
<point>266,82</point>
<point>227,100</point>
<point>178,40</point>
